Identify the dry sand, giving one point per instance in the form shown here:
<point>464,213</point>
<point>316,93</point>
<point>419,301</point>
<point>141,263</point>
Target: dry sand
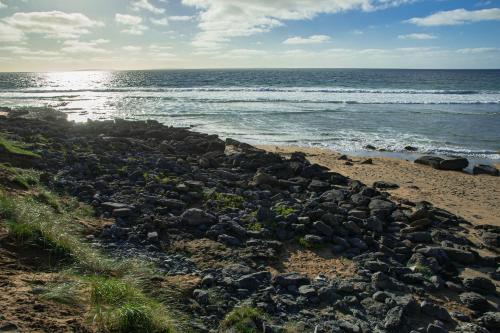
<point>476,198</point>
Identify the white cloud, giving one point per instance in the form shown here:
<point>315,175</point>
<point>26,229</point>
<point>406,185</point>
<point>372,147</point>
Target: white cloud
<point>132,48</point>
<point>417,36</point>
<point>10,34</point>
<point>457,17</point>
<point>54,24</point>
<point>133,24</point>
<point>146,5</point>
<point>242,53</point>
<point>314,39</point>
<point>221,20</point>
<point>78,47</point>
<point>181,18</point>
<point>159,48</point>
<point>162,21</point>
<point>478,50</point>
<point>2,5</point>
<point>18,50</point>
<point>357,32</point>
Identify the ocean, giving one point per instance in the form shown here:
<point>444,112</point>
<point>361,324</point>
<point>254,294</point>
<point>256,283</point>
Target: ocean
<point>437,111</point>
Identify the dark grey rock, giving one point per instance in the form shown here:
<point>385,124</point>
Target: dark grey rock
<point>196,217</point>
<point>479,285</point>
<point>474,301</point>
<point>482,169</point>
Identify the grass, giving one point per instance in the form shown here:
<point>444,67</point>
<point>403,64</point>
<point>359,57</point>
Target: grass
<point>119,306</point>
<point>422,269</point>
<point>15,148</point>
<point>114,290</point>
<point>24,178</point>
<point>49,199</point>
<point>283,210</point>
<point>243,320</point>
<point>226,200</point>
<point>307,245</point>
<point>255,226</point>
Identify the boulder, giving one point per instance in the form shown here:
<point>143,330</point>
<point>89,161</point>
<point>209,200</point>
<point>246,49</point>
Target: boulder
<point>385,185</point>
<point>479,285</point>
<point>447,163</point>
<point>483,169</point>
<point>196,217</point>
<point>474,301</point>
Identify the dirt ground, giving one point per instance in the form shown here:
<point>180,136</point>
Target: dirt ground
<point>23,273</point>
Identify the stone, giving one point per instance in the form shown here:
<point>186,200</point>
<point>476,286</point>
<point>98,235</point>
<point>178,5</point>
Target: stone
<point>352,227</point>
<point>479,284</point>
<point>385,185</point>
<point>152,236</point>
<point>482,169</point>
<point>121,212</point>
<point>289,279</point>
<point>196,217</point>
<point>229,240</point>
<point>453,163</point>
<point>394,319</point>
<point>432,328</point>
<point>474,301</point>
<point>318,186</point>
<point>367,161</point>
<point>381,296</point>
<point>432,161</point>
<point>410,148</point>
<point>313,239</point>
<point>490,320</point>
<point>307,291</point>
<point>460,256</point>
<point>435,311</point>
<point>420,237</point>
<point>323,228</point>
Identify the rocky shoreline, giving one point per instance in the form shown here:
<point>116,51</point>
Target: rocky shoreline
<point>226,214</point>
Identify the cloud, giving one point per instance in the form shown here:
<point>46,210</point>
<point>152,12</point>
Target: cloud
<point>2,5</point>
<point>159,48</point>
<point>132,48</point>
<point>78,47</point>
<point>357,32</point>
<point>139,5</point>
<point>242,53</point>
<point>478,50</point>
<point>162,21</point>
<point>181,18</point>
<point>457,17</point>
<point>10,34</point>
<point>54,24</point>
<point>417,36</point>
<point>221,20</point>
<point>133,24</point>
<point>315,39</point>
<point>18,50</point>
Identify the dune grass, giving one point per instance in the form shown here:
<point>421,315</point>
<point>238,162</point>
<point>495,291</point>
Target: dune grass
<point>243,320</point>
<point>15,148</point>
<point>113,290</point>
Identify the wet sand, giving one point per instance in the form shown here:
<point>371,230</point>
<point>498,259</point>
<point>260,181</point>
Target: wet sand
<point>476,198</point>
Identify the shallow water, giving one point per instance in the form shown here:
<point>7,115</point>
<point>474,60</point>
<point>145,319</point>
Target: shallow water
<point>437,111</point>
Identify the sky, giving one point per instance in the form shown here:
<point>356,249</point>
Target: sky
<point>52,35</point>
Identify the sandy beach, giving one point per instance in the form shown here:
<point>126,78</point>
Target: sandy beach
<point>475,198</point>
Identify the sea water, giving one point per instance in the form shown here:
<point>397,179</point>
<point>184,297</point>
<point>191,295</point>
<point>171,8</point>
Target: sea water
<point>436,111</point>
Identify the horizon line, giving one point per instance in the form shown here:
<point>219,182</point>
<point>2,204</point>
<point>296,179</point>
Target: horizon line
<point>249,68</point>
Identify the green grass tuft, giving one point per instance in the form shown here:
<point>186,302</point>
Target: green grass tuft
<point>119,306</point>
<point>283,210</point>
<point>15,148</point>
<point>243,320</point>
<point>226,200</point>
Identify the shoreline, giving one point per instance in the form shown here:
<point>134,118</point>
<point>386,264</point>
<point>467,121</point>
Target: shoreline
<point>474,197</point>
